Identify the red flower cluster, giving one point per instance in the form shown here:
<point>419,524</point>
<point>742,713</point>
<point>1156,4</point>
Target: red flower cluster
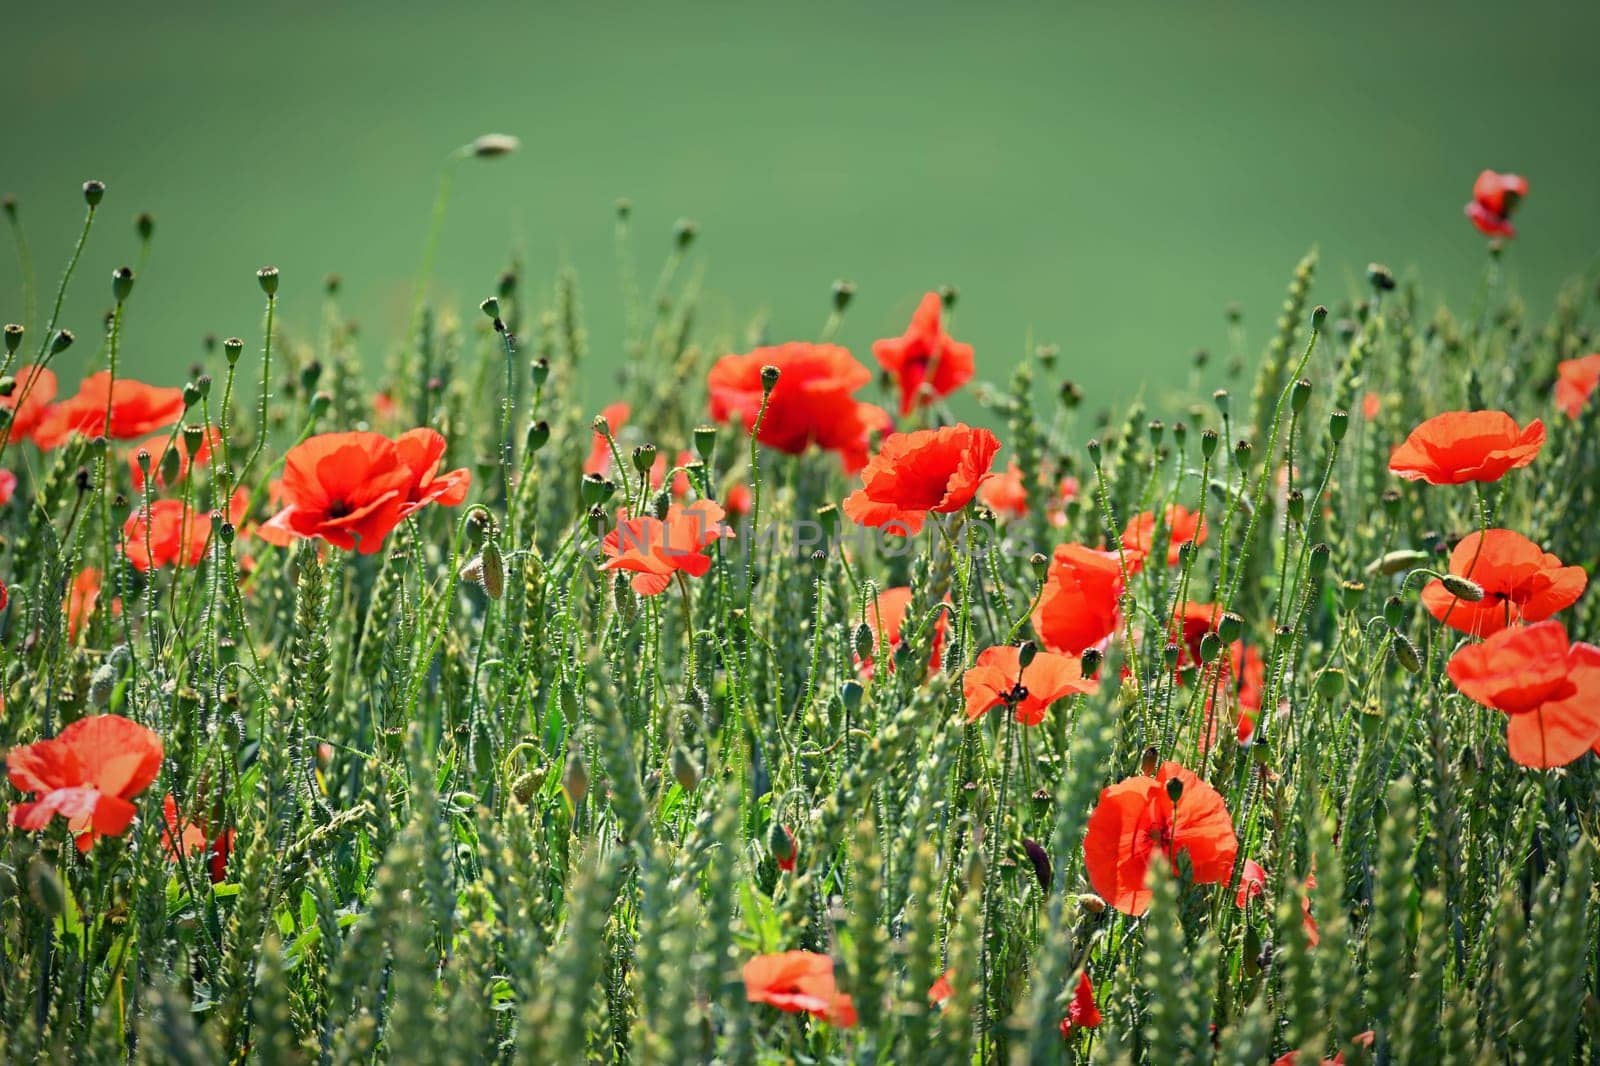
<point>136,409</point>
<point>1548,688</point>
<point>1461,446</point>
<point>999,677</point>
<point>913,474</point>
<point>925,356</point>
<point>171,533</point>
<point>1520,581</point>
<point>1494,197</point>
<point>1143,817</point>
<point>799,981</point>
<point>88,774</point>
<point>353,489</point>
<point>812,403</point>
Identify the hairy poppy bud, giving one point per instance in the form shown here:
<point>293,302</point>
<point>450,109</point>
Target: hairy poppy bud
<point>525,785</point>
<point>1338,424</point>
<point>644,457</point>
<point>592,490</point>
<point>1040,860</point>
<point>268,277</point>
<point>13,334</point>
<point>660,503</point>
<point>863,641</point>
<point>8,387</point>
<point>576,778</point>
<point>94,192</point>
<point>1089,661</point>
<point>781,846</point>
<point>310,374</point>
<point>171,465</point>
<point>843,292</point>
<point>1330,684</point>
<point>1026,652</point>
<point>1462,588</point>
<point>1406,654</point>
<point>850,695</point>
<point>231,349</point>
<point>1396,561</point>
<point>685,769</point>
<point>1210,648</point>
<point>705,441</point>
<point>1299,395</point>
<point>1040,564</point>
<point>493,576</point>
<point>1394,611</point>
<point>121,283</point>
<point>1241,454</point>
<point>44,886</point>
<point>1091,903</point>
<point>769,378</point>
<point>61,341</point>
<point>1174,789</point>
<point>494,145</point>
<point>1319,315</point>
<point>538,435</point>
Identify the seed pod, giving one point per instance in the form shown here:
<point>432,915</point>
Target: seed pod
<point>769,378</point>
<point>1026,652</point>
<point>13,335</point>
<point>1406,653</point>
<point>1396,561</point>
<point>705,441</point>
<point>94,192</point>
<point>1299,396</point>
<point>121,283</point>
<point>232,348</point>
<point>1462,588</point>
<point>267,276</point>
<point>1338,425</point>
<point>1210,648</point>
<point>538,435</point>
<point>1175,789</point>
<point>1089,662</point>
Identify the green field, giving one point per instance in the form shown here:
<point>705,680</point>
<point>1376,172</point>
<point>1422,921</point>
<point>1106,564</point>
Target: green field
<point>1104,181</point>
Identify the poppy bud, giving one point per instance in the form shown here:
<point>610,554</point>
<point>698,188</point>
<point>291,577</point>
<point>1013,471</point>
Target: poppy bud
<point>1071,395</point>
<point>493,577</point>
<point>191,393</point>
<point>781,845</point>
<point>13,334</point>
<point>62,341</point>
<point>268,277</point>
<point>525,786</point>
<point>310,374</point>
<point>644,457</point>
<point>494,145</point>
<point>1149,761</point>
<point>769,378</point>
<point>685,770</point>
<point>1089,661</point>
<point>1300,395</point>
<point>1094,450</point>
<point>1091,903</point>
<point>592,490</point>
<point>1319,315</point>
<point>8,203</point>
<point>1174,789</point>
<point>850,695</point>
<point>1396,561</point>
<point>1330,684</point>
<point>1171,653</point>
<point>121,283</point>
<point>1406,654</point>
<point>1220,398</point>
<point>1241,454</point>
<point>231,348</point>
<point>863,641</point>
<point>1046,354</point>
<point>1296,506</point>
<point>576,779</point>
<point>828,519</point>
<point>103,682</point>
<point>8,387</point>
<point>171,465</point>
<point>538,435</point>
<point>1025,653</point>
<point>684,232</point>
<point>660,503</point>
<point>1040,564</point>
<point>491,311</point>
<point>705,441</point>
<point>843,292</point>
<point>1210,648</point>
<point>1351,593</point>
<point>1208,442</point>
<point>1338,423</point>
<point>1041,862</point>
<point>1380,277</point>
<point>94,192</point>
<point>320,404</point>
<point>597,522</point>
<point>1462,588</point>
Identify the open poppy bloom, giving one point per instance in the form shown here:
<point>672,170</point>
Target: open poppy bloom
<point>1005,494</point>
<point>136,410</point>
<point>799,981</point>
<point>1078,608</point>
<point>599,461</point>
<point>189,837</point>
<point>1575,383</point>
<point>1137,820</point>
<point>1182,526</point>
<point>1550,690</point>
<point>1290,1058</point>
<point>886,616</point>
<point>655,549</point>
<point>1521,582</point>
<point>812,403</point>
<point>1494,197</point>
<point>925,355</point>
<point>1081,1012</point>
<point>999,677</point>
<point>88,774</point>
<point>8,486</point>
<point>421,451</point>
<point>30,400</point>
<point>1461,446</point>
<point>941,989</point>
<point>156,448</point>
<point>170,533</point>
<point>913,474</point>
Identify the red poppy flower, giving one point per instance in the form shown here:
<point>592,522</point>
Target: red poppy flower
<point>384,407</point>
<point>998,677</point>
<point>681,484</point>
<point>1137,820</point>
<point>1004,493</point>
<point>156,448</point>
<point>810,404</point>
<point>1521,583</point>
<point>738,500</point>
<point>1081,1012</point>
<point>799,981</point>
<point>1182,525</point>
<point>1078,608</point>
<point>886,616</point>
<point>1550,690</point>
<point>655,549</point>
<point>421,451</point>
<point>1461,446</point>
<point>931,470</point>
<point>941,989</point>
<point>599,461</point>
<point>8,486</point>
<point>1494,197</point>
<point>82,595</point>
<point>1291,1058</point>
<point>136,410</point>
<point>1252,882</point>
<point>170,533</point>
<point>1371,405</point>
<point>30,399</point>
<point>787,860</point>
<point>190,837</point>
<point>88,774</point>
<point>350,489</point>
<point>925,355</point>
<point>1575,383</point>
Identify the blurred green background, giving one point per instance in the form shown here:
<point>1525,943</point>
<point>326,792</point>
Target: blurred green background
<point>1107,180</point>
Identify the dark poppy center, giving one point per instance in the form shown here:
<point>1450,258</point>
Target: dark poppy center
<point>339,509</point>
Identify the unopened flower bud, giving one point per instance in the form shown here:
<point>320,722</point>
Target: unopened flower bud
<point>1406,654</point>
<point>61,341</point>
<point>310,374</point>
<point>1026,652</point>
<point>121,283</point>
<point>171,466</point>
<point>538,435</point>
<point>1462,588</point>
<point>1330,684</point>
<point>685,769</point>
<point>684,232</point>
<point>850,695</point>
<point>13,335</point>
<point>843,292</point>
<point>94,192</point>
<point>864,641</point>
<point>769,378</point>
<point>1175,789</point>
<point>1089,662</point>
<point>1299,395</point>
<point>268,277</point>
<point>1091,903</point>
